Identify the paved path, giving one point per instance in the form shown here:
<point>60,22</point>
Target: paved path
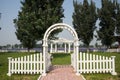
<point>60,72</point>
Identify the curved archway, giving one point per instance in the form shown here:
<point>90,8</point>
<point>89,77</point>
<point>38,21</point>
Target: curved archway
<point>58,26</point>
<point>46,56</point>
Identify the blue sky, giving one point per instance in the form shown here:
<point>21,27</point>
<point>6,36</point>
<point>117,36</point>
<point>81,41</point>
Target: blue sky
<point>9,10</point>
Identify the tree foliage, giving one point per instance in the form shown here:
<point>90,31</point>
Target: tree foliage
<point>84,19</point>
<point>35,17</point>
<point>107,17</point>
<point>117,18</point>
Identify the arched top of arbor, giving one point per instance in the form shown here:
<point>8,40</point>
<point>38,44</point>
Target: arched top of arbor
<point>60,26</point>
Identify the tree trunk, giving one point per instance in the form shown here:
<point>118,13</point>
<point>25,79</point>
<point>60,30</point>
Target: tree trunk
<point>28,49</point>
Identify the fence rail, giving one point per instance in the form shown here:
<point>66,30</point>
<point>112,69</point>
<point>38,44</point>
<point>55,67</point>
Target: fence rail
<point>31,64</point>
<point>91,63</point>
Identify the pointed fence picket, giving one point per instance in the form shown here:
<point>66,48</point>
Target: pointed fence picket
<point>31,64</point>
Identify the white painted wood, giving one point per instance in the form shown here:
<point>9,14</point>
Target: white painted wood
<point>18,65</point>
<point>69,48</point>
<point>113,66</point>
<point>12,67</point>
<point>37,68</point>
<point>51,48</point>
<point>80,62</point>
<point>34,65</point>
<point>15,65</point>
<point>41,61</point>
<point>9,66</point>
<point>84,62</point>
<point>107,65</point>
<point>87,63</point>
<point>91,63</point>
<point>25,69</point>
<point>31,64</point>
<point>65,47</point>
<point>100,64</point>
<point>97,62</point>
<point>21,65</point>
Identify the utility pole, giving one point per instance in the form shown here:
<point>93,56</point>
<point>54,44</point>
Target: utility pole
<point>0,18</point>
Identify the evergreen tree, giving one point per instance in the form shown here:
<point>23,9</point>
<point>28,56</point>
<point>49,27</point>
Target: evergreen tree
<point>107,22</point>
<point>117,37</point>
<point>35,17</point>
<point>84,19</point>
<point>118,18</point>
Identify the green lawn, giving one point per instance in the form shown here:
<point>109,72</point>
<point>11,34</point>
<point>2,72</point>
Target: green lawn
<point>60,59</point>
<point>4,68</point>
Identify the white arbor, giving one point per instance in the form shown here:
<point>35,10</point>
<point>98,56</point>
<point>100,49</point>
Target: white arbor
<point>46,57</point>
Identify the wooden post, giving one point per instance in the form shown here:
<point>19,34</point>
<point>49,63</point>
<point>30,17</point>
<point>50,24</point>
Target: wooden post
<point>77,55</point>
<point>113,66</point>
<point>69,48</point>
<point>9,66</point>
<point>65,48</point>
<point>44,57</point>
<point>51,47</point>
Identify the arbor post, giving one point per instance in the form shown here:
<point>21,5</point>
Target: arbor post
<point>77,51</point>
<point>44,57</point>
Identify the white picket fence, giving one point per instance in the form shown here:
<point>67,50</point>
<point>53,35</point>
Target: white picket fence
<point>86,63</point>
<point>31,64</point>
<point>91,63</point>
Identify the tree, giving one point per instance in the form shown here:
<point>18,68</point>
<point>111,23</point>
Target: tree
<point>16,46</point>
<point>117,30</point>
<point>107,22</point>
<point>8,46</point>
<point>35,17</point>
<point>84,19</point>
<point>117,19</point>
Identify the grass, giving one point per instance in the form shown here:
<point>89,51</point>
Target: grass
<point>58,59</point>
<point>61,59</point>
<point>4,68</point>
